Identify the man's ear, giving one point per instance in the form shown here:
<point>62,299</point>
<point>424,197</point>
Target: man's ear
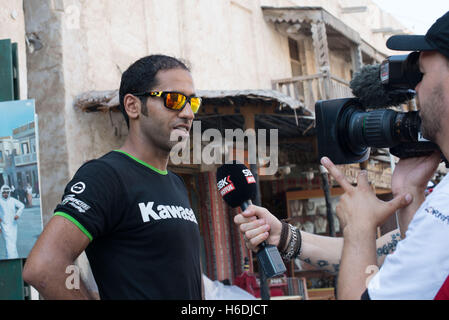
<point>132,106</point>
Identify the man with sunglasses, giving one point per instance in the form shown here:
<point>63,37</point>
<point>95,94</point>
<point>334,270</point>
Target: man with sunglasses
<point>130,214</point>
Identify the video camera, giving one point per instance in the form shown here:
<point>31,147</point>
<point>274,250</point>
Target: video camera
<point>347,128</point>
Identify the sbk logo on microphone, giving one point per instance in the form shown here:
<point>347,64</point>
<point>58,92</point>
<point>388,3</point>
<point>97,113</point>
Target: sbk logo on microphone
<point>249,176</point>
<point>225,186</point>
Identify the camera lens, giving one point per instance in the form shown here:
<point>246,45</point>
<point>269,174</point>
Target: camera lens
<point>384,128</point>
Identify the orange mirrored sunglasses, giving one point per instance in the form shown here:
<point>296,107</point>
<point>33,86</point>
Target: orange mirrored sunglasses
<point>174,100</point>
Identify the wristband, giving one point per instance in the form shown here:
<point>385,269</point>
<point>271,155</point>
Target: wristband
<point>292,244</point>
<point>284,235</point>
<point>298,244</point>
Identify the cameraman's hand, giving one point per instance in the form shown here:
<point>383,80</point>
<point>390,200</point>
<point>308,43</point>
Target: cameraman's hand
<point>257,225</point>
<point>411,176</point>
<point>359,210</point>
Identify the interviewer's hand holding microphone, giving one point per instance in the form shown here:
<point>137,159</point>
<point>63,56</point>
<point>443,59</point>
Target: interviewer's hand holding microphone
<point>358,207</point>
<point>237,186</point>
<point>258,225</point>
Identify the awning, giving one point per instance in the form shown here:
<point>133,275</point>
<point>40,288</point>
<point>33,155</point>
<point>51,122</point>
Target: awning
<point>241,97</point>
<point>308,15</point>
<point>286,113</point>
<point>302,17</point>
<point>92,101</point>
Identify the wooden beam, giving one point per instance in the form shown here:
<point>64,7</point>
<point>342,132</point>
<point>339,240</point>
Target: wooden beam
<point>312,193</point>
<point>250,118</point>
<point>208,109</point>
<point>308,139</point>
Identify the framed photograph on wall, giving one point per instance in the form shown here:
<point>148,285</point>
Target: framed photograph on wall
<point>20,202</point>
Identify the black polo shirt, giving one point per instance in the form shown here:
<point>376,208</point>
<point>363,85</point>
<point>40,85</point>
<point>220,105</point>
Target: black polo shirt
<point>145,241</point>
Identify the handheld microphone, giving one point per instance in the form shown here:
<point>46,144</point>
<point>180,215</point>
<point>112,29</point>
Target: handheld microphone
<point>367,86</point>
<point>237,186</point>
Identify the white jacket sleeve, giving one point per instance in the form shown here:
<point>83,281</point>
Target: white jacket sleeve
<point>19,206</point>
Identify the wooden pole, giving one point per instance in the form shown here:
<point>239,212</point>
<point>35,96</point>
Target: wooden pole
<point>250,123</point>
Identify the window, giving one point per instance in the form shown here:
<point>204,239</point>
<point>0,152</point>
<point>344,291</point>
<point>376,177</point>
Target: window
<point>19,179</point>
<point>293,47</point>
<point>25,148</point>
<point>294,57</point>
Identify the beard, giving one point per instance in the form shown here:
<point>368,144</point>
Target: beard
<point>161,137</point>
<point>432,112</point>
<point>155,135</point>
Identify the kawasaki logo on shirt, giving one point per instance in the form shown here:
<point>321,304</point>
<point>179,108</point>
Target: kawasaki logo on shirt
<point>165,212</point>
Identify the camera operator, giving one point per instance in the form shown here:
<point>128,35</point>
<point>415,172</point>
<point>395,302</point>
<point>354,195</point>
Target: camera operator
<point>419,268</point>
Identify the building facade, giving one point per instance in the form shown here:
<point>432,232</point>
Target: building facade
<point>8,147</point>
<point>18,160</point>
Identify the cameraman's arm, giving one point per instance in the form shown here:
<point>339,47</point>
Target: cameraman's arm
<point>406,215</point>
<point>411,176</point>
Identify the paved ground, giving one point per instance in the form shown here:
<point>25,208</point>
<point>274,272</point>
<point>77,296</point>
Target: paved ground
<point>29,229</point>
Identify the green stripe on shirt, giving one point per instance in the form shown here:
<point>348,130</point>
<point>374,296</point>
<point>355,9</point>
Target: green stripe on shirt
<point>163,172</point>
<point>76,223</point>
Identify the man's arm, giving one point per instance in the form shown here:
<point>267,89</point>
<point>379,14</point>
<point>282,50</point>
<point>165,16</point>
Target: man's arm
<point>360,212</point>
<point>321,252</point>
<point>411,176</point>
<point>58,246</point>
<point>19,206</point>
<point>325,253</point>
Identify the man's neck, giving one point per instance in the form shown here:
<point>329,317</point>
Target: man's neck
<point>146,152</point>
<point>444,146</point>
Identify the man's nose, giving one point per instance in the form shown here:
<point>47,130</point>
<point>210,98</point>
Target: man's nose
<point>187,112</point>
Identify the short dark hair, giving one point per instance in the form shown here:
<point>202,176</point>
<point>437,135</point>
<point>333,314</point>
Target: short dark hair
<point>141,76</point>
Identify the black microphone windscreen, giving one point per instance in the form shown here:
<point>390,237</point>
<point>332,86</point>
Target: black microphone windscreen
<point>236,183</point>
<point>367,86</point>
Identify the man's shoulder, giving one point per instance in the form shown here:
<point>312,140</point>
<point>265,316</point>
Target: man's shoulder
<point>177,178</point>
<point>109,160</point>
<point>107,165</point>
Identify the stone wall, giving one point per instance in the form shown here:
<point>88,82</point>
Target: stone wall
<point>88,44</point>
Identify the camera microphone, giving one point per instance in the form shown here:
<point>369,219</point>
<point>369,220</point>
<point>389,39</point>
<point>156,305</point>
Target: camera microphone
<point>237,186</point>
<point>368,87</point>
